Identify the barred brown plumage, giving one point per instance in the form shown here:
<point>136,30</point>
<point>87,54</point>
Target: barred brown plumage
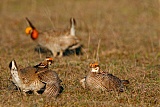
<point>96,79</point>
<point>57,41</point>
<point>33,79</point>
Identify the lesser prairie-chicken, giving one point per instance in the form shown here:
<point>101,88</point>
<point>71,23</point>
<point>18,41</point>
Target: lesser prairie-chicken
<point>57,41</point>
<point>34,79</point>
<point>97,79</point>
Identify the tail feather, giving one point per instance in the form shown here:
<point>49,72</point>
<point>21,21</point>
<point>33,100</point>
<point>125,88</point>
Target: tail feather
<point>13,65</point>
<point>72,28</point>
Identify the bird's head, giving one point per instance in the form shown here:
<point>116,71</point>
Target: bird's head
<point>95,67</point>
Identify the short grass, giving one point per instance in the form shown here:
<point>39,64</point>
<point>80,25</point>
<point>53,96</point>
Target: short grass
<point>122,35</point>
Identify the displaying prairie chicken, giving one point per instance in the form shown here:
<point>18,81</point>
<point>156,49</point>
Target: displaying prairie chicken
<point>35,79</point>
<point>97,79</point>
<point>56,41</point>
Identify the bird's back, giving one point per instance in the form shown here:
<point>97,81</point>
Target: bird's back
<point>104,81</point>
<point>28,74</point>
<point>112,82</point>
<point>46,75</point>
<point>57,39</point>
<point>94,81</point>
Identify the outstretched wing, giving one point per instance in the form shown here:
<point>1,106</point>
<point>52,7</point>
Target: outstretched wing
<point>52,90</point>
<point>52,81</point>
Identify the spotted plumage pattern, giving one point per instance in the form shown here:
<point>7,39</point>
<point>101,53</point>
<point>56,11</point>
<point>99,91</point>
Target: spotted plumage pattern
<point>33,79</point>
<point>96,79</point>
<point>52,82</point>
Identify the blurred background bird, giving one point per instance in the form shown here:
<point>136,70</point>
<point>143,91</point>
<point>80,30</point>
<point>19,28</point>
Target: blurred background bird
<point>57,41</point>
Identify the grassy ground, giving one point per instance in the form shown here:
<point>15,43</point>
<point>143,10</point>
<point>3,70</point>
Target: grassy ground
<point>122,35</point>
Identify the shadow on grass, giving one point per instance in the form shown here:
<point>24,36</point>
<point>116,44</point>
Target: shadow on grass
<point>43,50</point>
<point>13,87</point>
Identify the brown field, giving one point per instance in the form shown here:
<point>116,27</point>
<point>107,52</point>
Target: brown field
<point>122,35</point>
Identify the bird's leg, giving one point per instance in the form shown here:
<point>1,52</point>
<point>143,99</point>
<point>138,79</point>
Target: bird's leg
<point>54,54</point>
<point>35,92</point>
<point>60,53</point>
<point>24,93</point>
<point>82,81</point>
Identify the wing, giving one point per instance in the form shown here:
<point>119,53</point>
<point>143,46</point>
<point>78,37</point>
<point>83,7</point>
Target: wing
<point>111,82</point>
<point>27,74</point>
<point>52,90</point>
<point>70,42</point>
<point>52,82</point>
<point>52,33</point>
<point>47,76</point>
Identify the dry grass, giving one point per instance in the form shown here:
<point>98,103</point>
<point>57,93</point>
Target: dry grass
<point>123,35</point>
